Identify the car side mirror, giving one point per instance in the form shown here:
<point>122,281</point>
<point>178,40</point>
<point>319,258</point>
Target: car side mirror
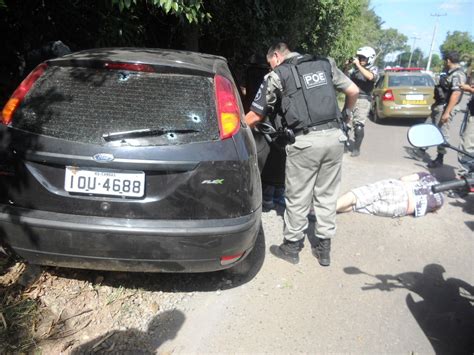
<point>425,135</point>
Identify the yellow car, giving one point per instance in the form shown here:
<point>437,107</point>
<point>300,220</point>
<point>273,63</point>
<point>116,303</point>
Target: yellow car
<point>403,93</point>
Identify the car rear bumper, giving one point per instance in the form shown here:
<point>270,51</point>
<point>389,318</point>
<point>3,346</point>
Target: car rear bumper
<point>99,243</point>
<point>407,111</point>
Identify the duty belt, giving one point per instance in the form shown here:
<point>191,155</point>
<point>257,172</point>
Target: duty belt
<point>318,127</point>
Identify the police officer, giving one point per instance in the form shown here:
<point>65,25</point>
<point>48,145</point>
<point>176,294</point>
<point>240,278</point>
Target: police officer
<point>273,167</point>
<point>447,96</point>
<point>303,89</point>
<point>364,74</point>
<point>467,134</point>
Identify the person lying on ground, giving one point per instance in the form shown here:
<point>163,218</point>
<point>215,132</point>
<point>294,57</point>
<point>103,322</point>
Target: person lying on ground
<point>409,195</point>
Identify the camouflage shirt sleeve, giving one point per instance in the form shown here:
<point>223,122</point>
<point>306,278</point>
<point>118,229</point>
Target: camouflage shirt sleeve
<point>274,89</point>
<point>260,102</point>
<point>374,70</point>
<point>458,79</point>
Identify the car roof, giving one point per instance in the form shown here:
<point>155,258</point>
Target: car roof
<point>153,56</point>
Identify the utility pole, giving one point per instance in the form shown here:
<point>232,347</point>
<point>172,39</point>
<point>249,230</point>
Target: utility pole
<point>412,49</point>
<point>433,39</point>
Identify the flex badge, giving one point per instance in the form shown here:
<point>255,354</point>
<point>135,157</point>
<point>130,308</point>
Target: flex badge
<point>213,182</point>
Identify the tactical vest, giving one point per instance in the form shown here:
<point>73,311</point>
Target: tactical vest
<point>442,91</point>
<point>365,86</point>
<point>308,96</point>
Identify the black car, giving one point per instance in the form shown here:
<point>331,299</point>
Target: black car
<point>129,159</point>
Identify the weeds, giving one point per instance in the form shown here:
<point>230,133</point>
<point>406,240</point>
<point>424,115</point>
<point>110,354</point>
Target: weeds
<point>17,317</point>
<point>115,295</point>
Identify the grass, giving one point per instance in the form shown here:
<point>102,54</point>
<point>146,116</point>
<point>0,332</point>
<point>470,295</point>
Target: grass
<point>17,317</point>
<point>18,312</point>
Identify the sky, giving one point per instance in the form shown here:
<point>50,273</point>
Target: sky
<point>413,19</point>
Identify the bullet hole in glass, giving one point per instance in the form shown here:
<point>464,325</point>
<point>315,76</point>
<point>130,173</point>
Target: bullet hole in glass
<point>171,136</point>
<point>195,118</point>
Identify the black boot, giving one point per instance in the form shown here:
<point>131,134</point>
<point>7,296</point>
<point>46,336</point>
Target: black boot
<point>288,251</point>
<point>322,251</point>
<point>436,163</point>
<point>358,137</point>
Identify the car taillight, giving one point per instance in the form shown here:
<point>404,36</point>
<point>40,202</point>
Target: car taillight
<point>228,111</point>
<point>20,93</point>
<point>130,67</point>
<point>388,96</point>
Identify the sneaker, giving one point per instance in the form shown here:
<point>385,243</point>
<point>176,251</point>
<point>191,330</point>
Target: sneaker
<point>288,251</point>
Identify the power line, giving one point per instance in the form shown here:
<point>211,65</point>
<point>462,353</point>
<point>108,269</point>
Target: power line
<point>433,39</point>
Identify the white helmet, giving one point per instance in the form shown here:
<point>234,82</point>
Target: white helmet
<point>367,52</point>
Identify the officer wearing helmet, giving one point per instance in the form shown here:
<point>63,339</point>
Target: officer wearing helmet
<point>364,74</point>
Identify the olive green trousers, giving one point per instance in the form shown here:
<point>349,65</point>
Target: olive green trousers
<point>313,175</point>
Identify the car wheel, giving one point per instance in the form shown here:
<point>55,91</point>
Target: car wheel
<point>252,263</point>
<point>376,116</point>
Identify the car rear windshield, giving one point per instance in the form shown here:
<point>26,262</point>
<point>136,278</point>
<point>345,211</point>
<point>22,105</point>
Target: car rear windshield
<point>410,80</point>
<point>82,104</point>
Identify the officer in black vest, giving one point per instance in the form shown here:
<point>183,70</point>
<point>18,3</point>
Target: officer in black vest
<point>303,89</point>
<point>447,96</point>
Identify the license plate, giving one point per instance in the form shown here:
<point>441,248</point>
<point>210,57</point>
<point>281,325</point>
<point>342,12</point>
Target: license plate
<point>105,182</point>
<point>414,102</point>
<point>414,97</point>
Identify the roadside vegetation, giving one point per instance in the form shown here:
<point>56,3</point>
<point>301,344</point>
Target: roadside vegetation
<point>18,310</point>
<point>236,30</point>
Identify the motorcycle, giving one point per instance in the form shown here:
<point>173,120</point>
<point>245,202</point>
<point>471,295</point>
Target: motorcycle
<point>428,135</point>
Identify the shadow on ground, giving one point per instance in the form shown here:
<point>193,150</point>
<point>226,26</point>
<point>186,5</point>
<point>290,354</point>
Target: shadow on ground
<point>445,312</point>
<point>162,328</point>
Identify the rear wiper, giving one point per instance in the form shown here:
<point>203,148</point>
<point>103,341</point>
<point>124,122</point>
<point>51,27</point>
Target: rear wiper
<point>144,133</point>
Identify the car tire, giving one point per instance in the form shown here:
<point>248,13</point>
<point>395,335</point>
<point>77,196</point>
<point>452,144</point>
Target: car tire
<point>251,264</point>
<point>376,116</point>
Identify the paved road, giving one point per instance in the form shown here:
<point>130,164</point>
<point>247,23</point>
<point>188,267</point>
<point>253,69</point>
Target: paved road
<point>394,285</point>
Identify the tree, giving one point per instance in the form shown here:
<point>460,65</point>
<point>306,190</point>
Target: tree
<point>436,63</point>
<point>460,42</point>
<point>366,30</point>
<point>388,41</point>
<point>239,29</point>
<point>234,29</point>
<point>192,10</point>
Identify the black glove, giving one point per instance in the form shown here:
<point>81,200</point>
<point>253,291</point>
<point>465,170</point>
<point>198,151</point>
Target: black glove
<point>347,115</point>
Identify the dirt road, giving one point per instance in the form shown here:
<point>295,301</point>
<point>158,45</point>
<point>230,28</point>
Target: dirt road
<point>394,285</point>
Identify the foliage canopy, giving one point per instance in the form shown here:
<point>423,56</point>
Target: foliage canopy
<point>236,30</point>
